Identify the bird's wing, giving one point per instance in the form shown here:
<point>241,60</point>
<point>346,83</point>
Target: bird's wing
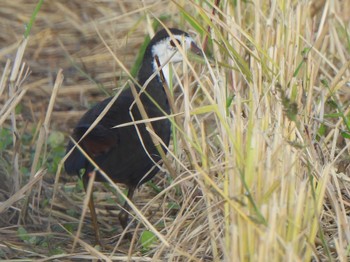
<point>100,140</point>
<point>104,137</point>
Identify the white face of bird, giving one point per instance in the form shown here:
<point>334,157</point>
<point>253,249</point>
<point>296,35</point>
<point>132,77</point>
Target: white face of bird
<point>168,51</point>
<point>171,50</point>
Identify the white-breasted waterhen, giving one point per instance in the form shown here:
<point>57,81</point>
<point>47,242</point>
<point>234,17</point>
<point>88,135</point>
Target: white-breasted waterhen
<point>128,154</point>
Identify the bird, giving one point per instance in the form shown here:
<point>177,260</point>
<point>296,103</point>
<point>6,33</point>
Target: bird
<point>127,154</point>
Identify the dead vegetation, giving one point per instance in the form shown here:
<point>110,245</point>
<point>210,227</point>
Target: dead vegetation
<point>261,152</point>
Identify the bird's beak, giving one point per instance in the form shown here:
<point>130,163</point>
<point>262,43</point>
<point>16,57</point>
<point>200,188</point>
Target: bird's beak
<point>195,49</point>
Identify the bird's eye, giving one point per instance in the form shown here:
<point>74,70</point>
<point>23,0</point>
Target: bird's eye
<point>172,43</point>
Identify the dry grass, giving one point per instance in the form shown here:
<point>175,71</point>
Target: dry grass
<point>261,147</point>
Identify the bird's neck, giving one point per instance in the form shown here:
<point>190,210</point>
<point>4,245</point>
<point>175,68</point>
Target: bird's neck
<point>165,70</point>
<point>148,68</point>
<point>155,87</point>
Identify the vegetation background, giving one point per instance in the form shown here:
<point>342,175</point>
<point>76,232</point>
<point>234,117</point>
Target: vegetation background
<point>260,147</point>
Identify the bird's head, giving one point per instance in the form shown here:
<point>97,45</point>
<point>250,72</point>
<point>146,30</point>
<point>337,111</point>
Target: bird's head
<point>167,47</point>
<point>164,48</point>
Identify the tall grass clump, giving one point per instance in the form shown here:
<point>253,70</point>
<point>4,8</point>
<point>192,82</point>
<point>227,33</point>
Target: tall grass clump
<point>266,133</point>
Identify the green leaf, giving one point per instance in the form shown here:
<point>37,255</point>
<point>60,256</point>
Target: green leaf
<point>25,237</point>
<point>174,205</point>
<point>135,68</point>
<point>69,227</point>
<point>28,26</point>
<point>5,138</point>
<point>147,239</point>
<point>322,130</point>
<point>192,21</point>
<point>345,135</point>
<point>229,101</point>
<point>56,139</point>
<point>156,188</point>
<point>334,115</point>
<point>324,82</point>
<point>22,233</point>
